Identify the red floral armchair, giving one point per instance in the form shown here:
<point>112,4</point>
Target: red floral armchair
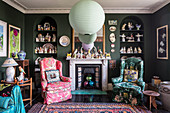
<point>55,91</point>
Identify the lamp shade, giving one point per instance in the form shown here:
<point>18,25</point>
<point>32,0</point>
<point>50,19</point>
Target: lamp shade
<point>9,62</point>
<point>87,46</point>
<point>87,39</point>
<point>86,17</point>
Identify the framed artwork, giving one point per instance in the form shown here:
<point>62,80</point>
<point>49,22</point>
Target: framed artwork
<point>14,41</point>
<point>162,42</point>
<point>3,39</point>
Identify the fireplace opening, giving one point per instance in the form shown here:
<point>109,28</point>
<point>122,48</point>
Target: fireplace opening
<point>88,76</point>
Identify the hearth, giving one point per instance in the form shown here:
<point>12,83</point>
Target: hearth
<point>88,76</point>
<point>103,71</point>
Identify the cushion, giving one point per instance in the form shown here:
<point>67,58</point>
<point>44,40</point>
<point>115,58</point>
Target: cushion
<point>58,85</point>
<point>53,76</point>
<point>130,75</point>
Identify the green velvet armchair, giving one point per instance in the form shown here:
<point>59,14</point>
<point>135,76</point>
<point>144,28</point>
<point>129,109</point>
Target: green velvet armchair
<point>129,85</point>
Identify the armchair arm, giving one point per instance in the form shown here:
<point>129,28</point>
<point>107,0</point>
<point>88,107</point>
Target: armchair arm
<point>66,79</point>
<point>44,85</point>
<point>117,79</point>
<point>141,83</point>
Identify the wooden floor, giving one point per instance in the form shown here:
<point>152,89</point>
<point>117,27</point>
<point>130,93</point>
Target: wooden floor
<point>87,99</point>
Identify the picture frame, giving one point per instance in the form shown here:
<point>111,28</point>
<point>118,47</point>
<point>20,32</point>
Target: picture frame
<point>3,39</point>
<point>162,42</point>
<point>14,41</point>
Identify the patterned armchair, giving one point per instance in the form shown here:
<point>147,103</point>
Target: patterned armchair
<point>129,85</point>
<point>54,89</point>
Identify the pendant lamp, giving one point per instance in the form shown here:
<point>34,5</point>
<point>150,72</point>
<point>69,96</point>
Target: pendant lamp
<point>87,39</point>
<point>86,17</point>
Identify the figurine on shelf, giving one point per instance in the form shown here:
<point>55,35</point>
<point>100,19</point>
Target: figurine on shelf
<point>139,50</point>
<point>123,37</point>
<point>47,38</point>
<point>138,26</point>
<point>124,50</point>
<point>138,37</point>
<point>68,55</point>
<point>39,27</point>
<point>121,50</point>
<point>37,39</point>
<point>55,49</point>
<point>123,27</point>
<point>128,50</point>
<point>46,26</point>
<point>53,28</point>
<point>88,54</point>
<point>131,49</point>
<point>74,54</point>
<point>130,26</point>
<point>22,72</point>
<point>45,49</point>
<point>135,50</point>
<point>41,50</point>
<point>54,38</point>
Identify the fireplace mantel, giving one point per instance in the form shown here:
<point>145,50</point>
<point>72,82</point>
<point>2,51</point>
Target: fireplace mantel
<point>103,62</point>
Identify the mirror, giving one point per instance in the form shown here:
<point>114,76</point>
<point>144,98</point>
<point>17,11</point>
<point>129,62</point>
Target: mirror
<point>100,41</point>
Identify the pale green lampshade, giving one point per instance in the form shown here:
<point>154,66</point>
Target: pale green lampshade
<point>87,39</point>
<point>86,17</point>
<point>9,62</point>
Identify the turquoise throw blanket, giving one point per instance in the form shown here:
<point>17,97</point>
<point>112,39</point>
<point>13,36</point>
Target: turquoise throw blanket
<point>5,102</point>
<point>14,104</point>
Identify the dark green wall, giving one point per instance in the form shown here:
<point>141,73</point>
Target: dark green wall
<point>14,17</point>
<point>161,18</point>
<point>64,28</point>
<point>27,23</point>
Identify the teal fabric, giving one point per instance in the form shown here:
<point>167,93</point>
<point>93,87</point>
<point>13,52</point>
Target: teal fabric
<point>5,102</point>
<point>16,105</point>
<point>120,86</point>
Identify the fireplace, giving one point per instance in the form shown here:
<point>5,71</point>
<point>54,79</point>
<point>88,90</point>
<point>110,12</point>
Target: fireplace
<point>88,76</point>
<point>103,63</point>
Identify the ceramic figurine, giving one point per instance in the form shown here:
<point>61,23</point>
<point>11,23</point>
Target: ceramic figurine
<point>135,50</point>
<point>124,50</point>
<point>138,37</point>
<point>22,72</point>
<point>128,50</point>
<point>123,27</point>
<point>139,50</point>
<point>131,49</point>
<point>39,27</point>
<point>138,26</point>
<point>37,39</point>
<point>54,38</point>
<point>53,28</point>
<point>123,37</point>
<point>130,26</point>
<point>69,55</point>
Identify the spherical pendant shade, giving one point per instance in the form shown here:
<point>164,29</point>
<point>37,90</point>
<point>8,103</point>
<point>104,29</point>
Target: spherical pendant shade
<point>86,17</point>
<point>87,46</point>
<point>87,39</point>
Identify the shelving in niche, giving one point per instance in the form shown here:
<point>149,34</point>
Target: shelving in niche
<point>132,37</point>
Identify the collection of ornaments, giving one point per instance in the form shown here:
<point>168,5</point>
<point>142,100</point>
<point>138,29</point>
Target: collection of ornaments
<point>46,38</point>
<point>131,38</point>
<point>112,36</point>
<point>46,50</point>
<point>90,54</point>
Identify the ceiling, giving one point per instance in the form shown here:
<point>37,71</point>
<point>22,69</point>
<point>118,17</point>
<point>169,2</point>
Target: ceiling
<point>109,6</point>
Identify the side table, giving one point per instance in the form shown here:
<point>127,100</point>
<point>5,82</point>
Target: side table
<point>22,85</point>
<point>152,95</point>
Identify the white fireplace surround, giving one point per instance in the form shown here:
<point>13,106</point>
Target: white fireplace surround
<point>104,67</point>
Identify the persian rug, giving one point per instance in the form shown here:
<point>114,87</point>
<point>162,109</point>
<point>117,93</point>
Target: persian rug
<point>87,108</point>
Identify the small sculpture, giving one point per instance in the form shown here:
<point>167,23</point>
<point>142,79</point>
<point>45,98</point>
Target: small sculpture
<point>54,38</point>
<point>135,50</point>
<point>138,26</point>
<point>123,37</point>
<point>138,37</point>
<point>68,55</point>
<point>22,72</point>
<point>130,26</point>
<point>139,50</point>
<point>123,27</point>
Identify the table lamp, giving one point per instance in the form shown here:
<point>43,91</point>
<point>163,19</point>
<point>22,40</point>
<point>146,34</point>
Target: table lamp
<point>10,71</point>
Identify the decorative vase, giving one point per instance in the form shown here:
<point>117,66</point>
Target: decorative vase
<point>21,55</point>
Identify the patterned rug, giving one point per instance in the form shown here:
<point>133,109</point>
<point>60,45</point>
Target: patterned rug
<point>87,108</point>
